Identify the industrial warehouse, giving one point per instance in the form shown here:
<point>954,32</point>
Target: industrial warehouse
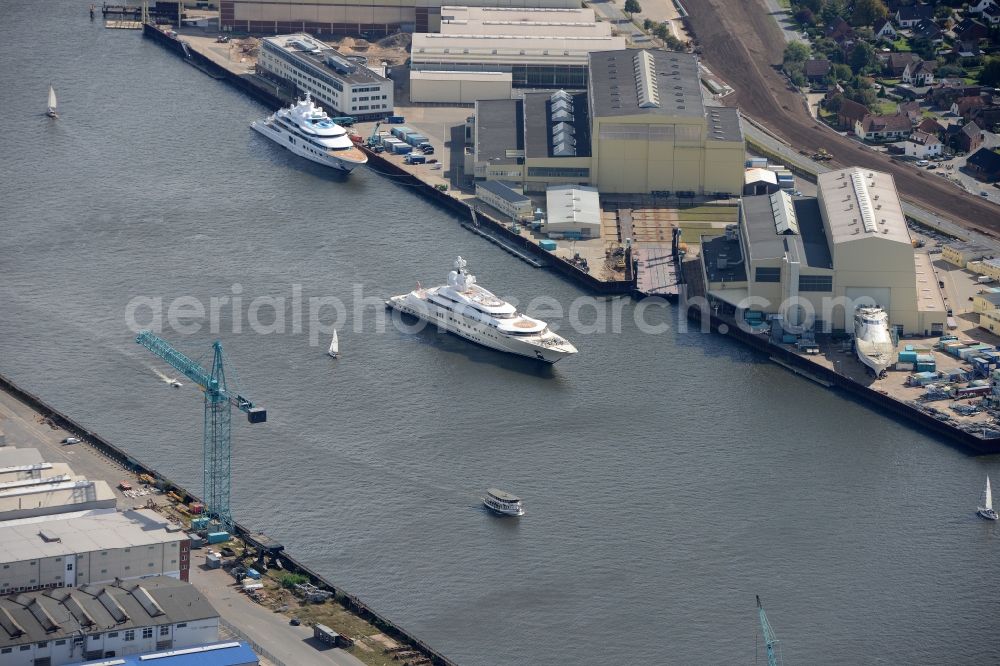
<point>641,127</point>
<point>850,243</point>
<point>350,17</point>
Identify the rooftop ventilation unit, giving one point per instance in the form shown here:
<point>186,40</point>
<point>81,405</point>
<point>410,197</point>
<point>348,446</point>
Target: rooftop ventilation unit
<point>864,200</point>
<point>340,65</point>
<point>645,80</point>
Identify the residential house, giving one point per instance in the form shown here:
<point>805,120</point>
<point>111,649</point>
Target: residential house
<point>910,15</point>
<point>816,70</point>
<point>894,64</point>
<point>850,113</point>
<point>911,110</point>
<point>986,116</point>
<point>922,145</point>
<point>930,126</point>
<point>883,128</point>
<point>920,73</point>
<point>884,29</point>
<point>966,48</point>
<point>984,165</point>
<point>980,6</point>
<point>970,30</point>
<point>991,15</point>
<point>839,31</point>
<point>966,138</point>
<point>963,106</point>
<point>944,93</point>
<point>929,30</point>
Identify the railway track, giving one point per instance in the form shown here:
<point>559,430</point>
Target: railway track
<point>743,45</point>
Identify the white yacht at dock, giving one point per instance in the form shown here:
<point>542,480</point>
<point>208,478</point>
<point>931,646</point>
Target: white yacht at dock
<point>306,130</point>
<point>464,308</point>
<point>872,340</point>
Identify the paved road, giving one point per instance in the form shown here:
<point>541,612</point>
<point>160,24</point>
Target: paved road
<point>783,18</point>
<point>294,646</point>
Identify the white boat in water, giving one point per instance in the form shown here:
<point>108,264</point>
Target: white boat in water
<point>464,308</point>
<point>53,111</point>
<point>306,130</point>
<point>334,350</point>
<point>986,510</point>
<point>503,503</point>
<point>872,340</point>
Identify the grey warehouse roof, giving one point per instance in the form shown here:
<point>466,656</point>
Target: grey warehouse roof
<point>63,612</point>
<point>502,190</point>
<point>634,81</point>
<point>810,246</point>
<point>724,124</point>
<point>498,129</point>
<point>538,124</point>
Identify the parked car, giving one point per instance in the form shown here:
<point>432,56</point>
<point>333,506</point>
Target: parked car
<point>922,163</point>
<point>71,440</point>
<point>984,193</point>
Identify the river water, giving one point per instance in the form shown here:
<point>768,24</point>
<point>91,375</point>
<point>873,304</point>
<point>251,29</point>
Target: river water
<point>668,478</point>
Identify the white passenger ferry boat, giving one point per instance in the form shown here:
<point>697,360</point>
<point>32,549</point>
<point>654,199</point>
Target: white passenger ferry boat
<point>503,503</point>
<point>306,130</point>
<point>464,308</point>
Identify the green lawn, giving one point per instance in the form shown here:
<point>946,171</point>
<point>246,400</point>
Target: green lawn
<point>886,107</point>
<point>901,44</point>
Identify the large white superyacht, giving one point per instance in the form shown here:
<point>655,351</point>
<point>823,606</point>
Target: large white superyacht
<point>872,340</point>
<point>464,308</point>
<point>306,130</point>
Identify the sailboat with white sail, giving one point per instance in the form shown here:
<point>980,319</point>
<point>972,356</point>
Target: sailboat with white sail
<point>52,111</point>
<point>334,350</point>
<point>986,510</point>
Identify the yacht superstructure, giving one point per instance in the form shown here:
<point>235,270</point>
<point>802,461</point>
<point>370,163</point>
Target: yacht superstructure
<point>306,130</point>
<point>872,340</point>
<point>468,310</point>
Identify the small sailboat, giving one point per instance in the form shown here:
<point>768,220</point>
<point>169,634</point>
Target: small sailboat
<point>334,350</point>
<point>986,510</point>
<point>52,112</point>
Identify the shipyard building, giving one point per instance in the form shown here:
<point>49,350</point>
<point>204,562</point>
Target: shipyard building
<point>537,48</point>
<point>640,128</point>
<point>810,260</point>
<point>350,17</point>
<point>343,86</point>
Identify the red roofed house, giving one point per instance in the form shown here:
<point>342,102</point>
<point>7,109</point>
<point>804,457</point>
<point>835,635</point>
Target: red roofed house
<point>883,128</point>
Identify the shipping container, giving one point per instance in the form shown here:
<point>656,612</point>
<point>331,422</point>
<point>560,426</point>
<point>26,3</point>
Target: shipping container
<point>925,358</point>
<point>906,367</point>
<point>253,573</point>
<point>908,356</point>
<point>414,158</point>
<point>396,120</point>
<point>925,367</point>
<point>217,537</point>
<point>401,148</point>
<point>398,132</point>
<point>548,245</point>
<point>415,139</point>
<point>199,523</point>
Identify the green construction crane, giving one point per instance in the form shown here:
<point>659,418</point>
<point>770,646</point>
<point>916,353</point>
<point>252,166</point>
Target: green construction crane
<point>219,401</point>
<point>770,640</point>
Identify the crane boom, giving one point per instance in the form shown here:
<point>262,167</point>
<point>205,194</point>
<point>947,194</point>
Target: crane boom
<point>219,401</point>
<point>770,641</point>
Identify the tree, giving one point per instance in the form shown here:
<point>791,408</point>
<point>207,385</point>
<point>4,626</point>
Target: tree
<point>942,11</point>
<point>633,7</point>
<point>805,17</point>
<point>990,74</point>
<point>674,44</point>
<point>841,73</point>
<point>831,10</point>
<point>924,48</point>
<point>867,12</point>
<point>862,57</point>
<point>833,104</point>
<point>815,6</point>
<point>662,31</point>
<point>796,52</point>
<point>648,24</point>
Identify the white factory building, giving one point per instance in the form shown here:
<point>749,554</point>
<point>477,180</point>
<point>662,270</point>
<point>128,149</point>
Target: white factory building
<point>572,212</point>
<point>90,547</point>
<point>69,626</point>
<point>811,260</point>
<point>538,47</point>
<point>350,17</point>
<point>342,86</point>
